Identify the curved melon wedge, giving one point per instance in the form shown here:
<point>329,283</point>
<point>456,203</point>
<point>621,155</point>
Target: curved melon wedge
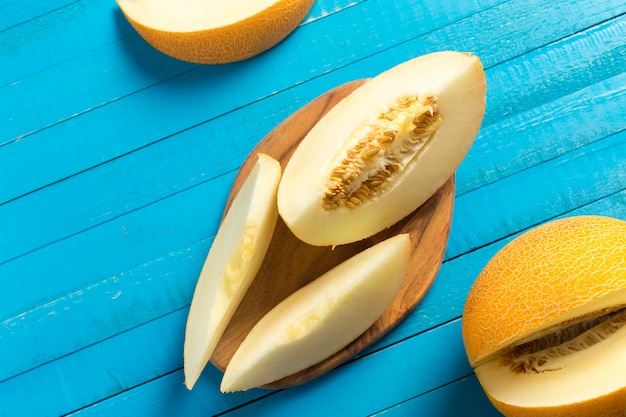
<point>321,318</point>
<point>232,263</point>
<point>382,151</point>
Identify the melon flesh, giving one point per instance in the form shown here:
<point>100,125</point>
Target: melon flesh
<point>591,373</point>
<point>544,324</point>
<point>214,31</point>
<point>597,372</point>
<point>455,80</point>
<point>321,318</point>
<point>589,381</point>
<point>192,15</point>
<point>231,265</point>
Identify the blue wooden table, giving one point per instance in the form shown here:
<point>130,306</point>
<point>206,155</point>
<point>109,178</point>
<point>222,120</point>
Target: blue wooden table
<point>116,162</point>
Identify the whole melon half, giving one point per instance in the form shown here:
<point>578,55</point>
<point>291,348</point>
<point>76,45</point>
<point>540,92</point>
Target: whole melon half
<point>544,323</point>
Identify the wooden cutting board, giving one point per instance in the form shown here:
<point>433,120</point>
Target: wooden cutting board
<point>290,263</point>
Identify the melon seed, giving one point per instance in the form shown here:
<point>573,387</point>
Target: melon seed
<point>384,146</point>
<point>542,354</point>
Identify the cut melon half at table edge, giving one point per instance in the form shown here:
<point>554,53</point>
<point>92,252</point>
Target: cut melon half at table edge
<point>214,32</point>
<point>232,263</point>
<point>320,318</point>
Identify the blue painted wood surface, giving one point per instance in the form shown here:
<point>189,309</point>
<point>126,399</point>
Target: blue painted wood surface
<point>116,161</point>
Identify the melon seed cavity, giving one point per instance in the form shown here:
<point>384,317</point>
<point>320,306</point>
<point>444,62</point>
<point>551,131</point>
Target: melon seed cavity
<point>384,146</point>
<point>545,353</point>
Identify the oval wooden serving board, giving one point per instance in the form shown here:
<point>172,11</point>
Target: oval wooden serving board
<point>290,264</point>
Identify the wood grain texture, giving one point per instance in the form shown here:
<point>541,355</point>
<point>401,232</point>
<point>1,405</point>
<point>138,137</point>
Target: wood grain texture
<point>290,264</point>
<point>467,394</point>
<point>116,163</point>
<point>144,168</point>
<point>99,93</point>
<point>439,306</point>
<point>411,357</point>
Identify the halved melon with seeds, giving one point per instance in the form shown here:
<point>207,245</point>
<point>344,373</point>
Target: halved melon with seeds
<point>232,263</point>
<point>385,149</point>
<point>214,31</point>
<point>320,318</point>
<point>544,324</point>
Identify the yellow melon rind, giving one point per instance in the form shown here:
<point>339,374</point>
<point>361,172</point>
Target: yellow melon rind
<point>542,278</point>
<point>232,42</point>
<point>557,274</point>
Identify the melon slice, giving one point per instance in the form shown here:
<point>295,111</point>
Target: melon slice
<point>321,318</point>
<point>383,150</point>
<point>231,265</point>
<point>544,324</point>
<point>214,31</point>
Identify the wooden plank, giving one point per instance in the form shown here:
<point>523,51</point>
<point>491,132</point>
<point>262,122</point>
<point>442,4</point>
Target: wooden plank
<point>558,69</point>
<point>17,13</point>
<point>441,304</point>
<point>462,397</point>
<point>145,288</point>
<point>384,378</point>
<point>195,149</point>
<point>540,147</point>
<point>121,264</point>
<point>519,144</point>
<point>95,79</point>
<point>53,36</point>
<point>575,179</point>
<point>121,116</point>
<point>73,283</point>
<point>151,359</point>
<point>541,133</point>
<point>337,393</point>
<point>44,37</point>
<point>109,371</point>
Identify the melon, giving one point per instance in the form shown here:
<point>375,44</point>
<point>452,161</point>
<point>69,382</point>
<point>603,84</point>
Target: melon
<point>320,318</point>
<point>544,324</point>
<point>382,151</point>
<point>234,258</point>
<point>214,32</point>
